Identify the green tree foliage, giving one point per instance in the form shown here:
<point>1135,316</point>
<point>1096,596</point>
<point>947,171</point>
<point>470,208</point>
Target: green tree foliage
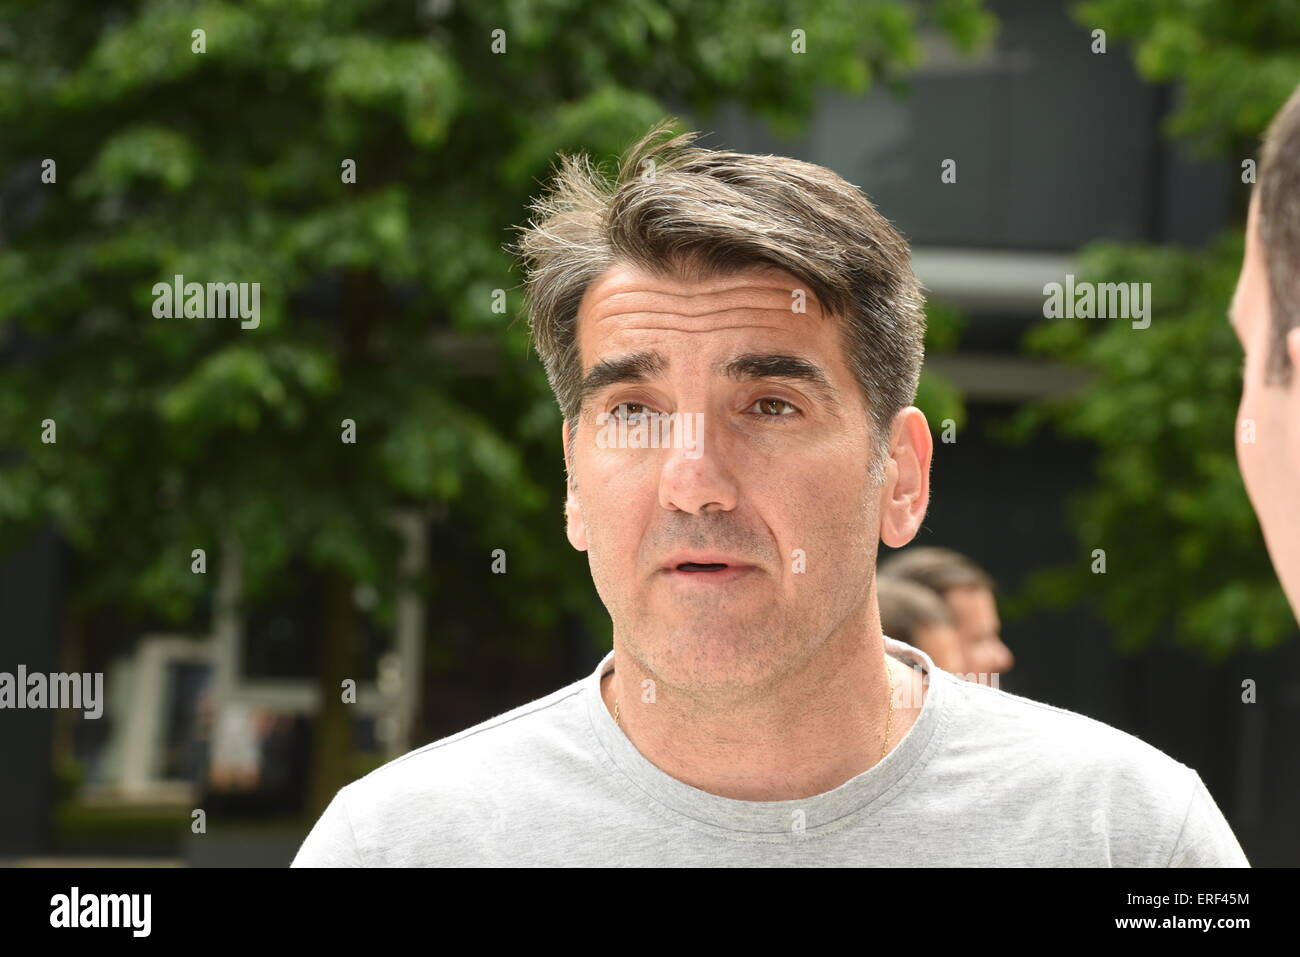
<point>376,297</point>
<point>1183,549</point>
<point>1236,63</point>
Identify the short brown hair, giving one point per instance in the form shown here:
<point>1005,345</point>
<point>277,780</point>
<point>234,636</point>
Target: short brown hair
<point>938,569</point>
<point>706,213</point>
<point>1279,231</point>
<point>906,608</point>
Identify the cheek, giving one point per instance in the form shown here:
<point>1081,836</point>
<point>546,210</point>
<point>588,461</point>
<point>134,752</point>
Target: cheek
<point>617,493</point>
<point>825,508</point>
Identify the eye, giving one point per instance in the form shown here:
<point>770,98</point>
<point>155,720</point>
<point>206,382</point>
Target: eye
<point>628,410</point>
<point>772,407</point>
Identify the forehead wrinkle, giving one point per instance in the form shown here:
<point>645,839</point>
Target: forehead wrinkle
<point>746,326</point>
<point>783,290</point>
<point>601,302</point>
<point>695,315</point>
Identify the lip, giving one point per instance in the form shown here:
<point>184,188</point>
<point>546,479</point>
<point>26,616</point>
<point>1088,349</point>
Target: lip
<point>734,570</point>
<point>703,558</point>
<point>720,577</point>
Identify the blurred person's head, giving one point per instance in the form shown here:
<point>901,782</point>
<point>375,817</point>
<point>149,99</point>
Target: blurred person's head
<point>914,614</point>
<point>766,301</point>
<point>1266,316</point>
<point>967,590</point>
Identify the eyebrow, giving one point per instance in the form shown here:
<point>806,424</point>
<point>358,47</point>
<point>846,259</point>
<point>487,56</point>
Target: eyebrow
<point>642,366</point>
<point>768,365</point>
<point>633,367</point>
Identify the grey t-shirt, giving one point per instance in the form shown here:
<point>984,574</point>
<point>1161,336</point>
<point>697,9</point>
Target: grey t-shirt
<point>982,778</point>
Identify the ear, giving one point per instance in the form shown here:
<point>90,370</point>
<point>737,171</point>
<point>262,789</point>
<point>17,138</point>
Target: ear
<point>574,526</point>
<point>905,495</point>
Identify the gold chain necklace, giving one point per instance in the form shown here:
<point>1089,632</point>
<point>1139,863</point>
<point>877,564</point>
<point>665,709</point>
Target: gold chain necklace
<point>889,717</point>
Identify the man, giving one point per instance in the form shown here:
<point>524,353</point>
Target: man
<point>967,590</point>
<point>751,712</point>
<point>916,616</point>
<point>1266,316</point>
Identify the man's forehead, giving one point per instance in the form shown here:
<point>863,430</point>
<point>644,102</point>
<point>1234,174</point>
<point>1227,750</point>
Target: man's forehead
<point>628,298</point>
<point>624,289</point>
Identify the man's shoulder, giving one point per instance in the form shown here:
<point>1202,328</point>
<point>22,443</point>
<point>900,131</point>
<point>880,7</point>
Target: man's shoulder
<point>1085,789</point>
<point>492,750</point>
<point>439,803</point>
<point>1052,740</point>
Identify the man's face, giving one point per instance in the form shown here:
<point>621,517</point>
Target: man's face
<point>1268,419</point>
<point>976,615</point>
<point>774,506</point>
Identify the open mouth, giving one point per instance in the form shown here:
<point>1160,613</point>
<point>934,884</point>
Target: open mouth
<point>700,567</point>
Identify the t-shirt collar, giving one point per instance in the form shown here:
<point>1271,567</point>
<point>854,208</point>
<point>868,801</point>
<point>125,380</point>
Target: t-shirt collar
<point>773,820</point>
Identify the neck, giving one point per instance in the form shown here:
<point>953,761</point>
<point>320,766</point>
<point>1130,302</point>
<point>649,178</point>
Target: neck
<point>802,735</point>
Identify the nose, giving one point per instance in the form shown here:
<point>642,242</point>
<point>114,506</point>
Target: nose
<point>1003,656</point>
<point>695,475</point>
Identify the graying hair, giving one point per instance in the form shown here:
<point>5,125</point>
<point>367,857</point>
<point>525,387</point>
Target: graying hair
<point>678,210</point>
